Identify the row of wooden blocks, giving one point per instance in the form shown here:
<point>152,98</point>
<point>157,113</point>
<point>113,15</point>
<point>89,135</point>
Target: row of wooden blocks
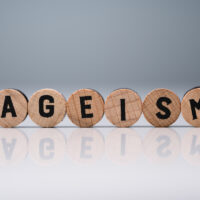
<point>86,107</point>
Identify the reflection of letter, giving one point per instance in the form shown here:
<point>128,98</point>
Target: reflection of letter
<point>8,147</point>
<point>123,145</point>
<point>191,146</point>
<point>195,148</point>
<point>85,147</point>
<point>162,151</point>
<point>161,145</point>
<point>46,148</point>
<point>13,146</point>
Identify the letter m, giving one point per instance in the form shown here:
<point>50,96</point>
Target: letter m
<point>194,105</point>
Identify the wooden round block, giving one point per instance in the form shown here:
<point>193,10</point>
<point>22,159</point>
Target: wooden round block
<point>161,107</point>
<point>85,107</point>
<point>47,107</point>
<point>123,107</point>
<point>13,107</point>
<point>190,107</point>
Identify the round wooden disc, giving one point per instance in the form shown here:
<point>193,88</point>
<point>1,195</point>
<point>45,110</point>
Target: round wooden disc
<point>132,106</point>
<point>91,111</point>
<point>58,105</point>
<point>13,108</point>
<point>161,107</point>
<point>190,97</point>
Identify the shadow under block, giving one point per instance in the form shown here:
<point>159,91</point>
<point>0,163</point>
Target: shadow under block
<point>190,107</point>
<point>13,107</point>
<point>123,107</point>
<point>47,107</point>
<point>161,107</point>
<point>85,107</point>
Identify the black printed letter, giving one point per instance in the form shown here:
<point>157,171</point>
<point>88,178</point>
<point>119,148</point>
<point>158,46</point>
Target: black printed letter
<point>49,107</point>
<point>8,107</point>
<point>123,113</point>
<point>84,107</point>
<point>163,108</point>
<point>194,105</point>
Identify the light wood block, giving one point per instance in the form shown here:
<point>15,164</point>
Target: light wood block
<point>47,107</point>
<point>85,107</point>
<point>190,107</point>
<point>123,107</point>
<point>13,107</point>
<point>161,107</point>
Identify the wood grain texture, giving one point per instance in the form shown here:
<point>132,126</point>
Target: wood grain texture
<point>59,108</point>
<point>150,108</point>
<point>74,108</point>
<point>133,107</point>
<point>20,104</point>
<point>186,109</point>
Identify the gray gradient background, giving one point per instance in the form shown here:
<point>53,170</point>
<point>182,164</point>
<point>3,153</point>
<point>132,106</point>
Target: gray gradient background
<point>67,45</point>
<point>100,44</point>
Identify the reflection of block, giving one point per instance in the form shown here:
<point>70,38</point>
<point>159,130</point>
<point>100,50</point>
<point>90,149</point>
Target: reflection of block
<point>123,107</point>
<point>190,146</point>
<point>161,145</point>
<point>85,145</point>
<point>13,147</point>
<point>85,107</point>
<point>13,107</point>
<point>123,145</point>
<point>47,146</point>
<point>47,107</point>
<point>161,107</point>
<point>190,106</point>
